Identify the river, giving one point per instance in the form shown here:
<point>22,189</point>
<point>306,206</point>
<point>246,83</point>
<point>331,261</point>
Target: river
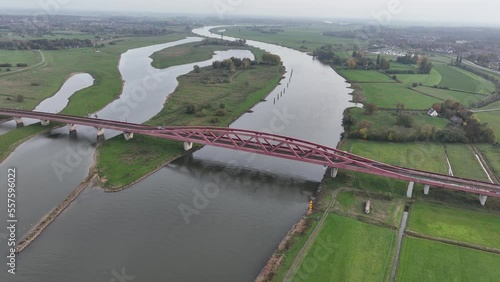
<point>242,204</point>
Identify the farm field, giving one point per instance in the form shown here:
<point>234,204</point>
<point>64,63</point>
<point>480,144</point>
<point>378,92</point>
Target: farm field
<point>348,250</point>
<point>417,155</point>
<point>456,78</point>
<point>493,119</point>
<point>428,79</point>
<point>464,162</point>
<point>424,260</point>
<point>440,221</point>
<point>14,57</point>
<point>387,95</point>
<point>443,94</point>
<point>365,76</point>
<point>492,154</point>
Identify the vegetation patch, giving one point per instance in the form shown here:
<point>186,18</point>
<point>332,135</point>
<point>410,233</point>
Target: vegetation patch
<point>348,250</point>
<point>424,260</point>
<point>463,225</point>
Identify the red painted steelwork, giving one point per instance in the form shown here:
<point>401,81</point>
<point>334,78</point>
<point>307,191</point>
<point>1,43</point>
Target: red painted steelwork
<point>276,146</point>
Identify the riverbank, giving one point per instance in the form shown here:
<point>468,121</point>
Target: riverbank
<point>194,102</point>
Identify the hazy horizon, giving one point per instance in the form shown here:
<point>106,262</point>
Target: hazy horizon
<point>384,11</point>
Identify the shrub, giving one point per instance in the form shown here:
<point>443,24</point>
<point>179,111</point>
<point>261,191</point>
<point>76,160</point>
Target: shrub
<point>414,84</point>
<point>191,109</point>
<point>19,98</point>
<point>220,112</point>
<point>214,120</point>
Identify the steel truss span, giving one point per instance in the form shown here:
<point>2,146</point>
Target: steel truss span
<point>271,145</point>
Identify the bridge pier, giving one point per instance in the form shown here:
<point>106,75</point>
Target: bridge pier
<point>100,131</point>
<point>44,122</point>
<point>188,146</point>
<point>128,135</point>
<point>409,192</point>
<point>19,121</point>
<point>71,127</point>
<point>426,189</point>
<point>334,171</point>
<point>482,199</point>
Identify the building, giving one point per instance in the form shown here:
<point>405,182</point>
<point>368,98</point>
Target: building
<point>431,112</point>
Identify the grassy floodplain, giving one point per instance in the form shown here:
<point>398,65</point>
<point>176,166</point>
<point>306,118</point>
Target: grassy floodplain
<point>101,64</point>
<point>193,52</point>
<point>118,160</point>
<point>424,260</point>
<point>303,38</point>
<point>348,250</point>
<point>440,221</point>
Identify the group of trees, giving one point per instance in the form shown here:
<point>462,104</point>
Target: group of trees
<point>271,59</point>
<point>424,64</point>
<point>233,63</point>
<point>214,41</point>
<point>45,44</point>
<point>404,129</point>
<point>408,59</point>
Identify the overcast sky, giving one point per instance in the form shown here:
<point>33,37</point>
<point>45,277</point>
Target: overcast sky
<point>466,11</point>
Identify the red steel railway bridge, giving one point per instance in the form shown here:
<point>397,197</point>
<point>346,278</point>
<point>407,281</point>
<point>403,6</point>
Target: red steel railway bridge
<point>271,145</point>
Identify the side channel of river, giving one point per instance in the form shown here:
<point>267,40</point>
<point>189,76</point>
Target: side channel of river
<point>241,204</point>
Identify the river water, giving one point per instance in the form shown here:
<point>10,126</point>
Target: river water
<point>216,215</point>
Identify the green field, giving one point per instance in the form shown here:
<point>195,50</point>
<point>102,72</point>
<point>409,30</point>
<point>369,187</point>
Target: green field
<point>381,119</point>
<point>193,52</point>
<point>492,154</point>
<point>383,209</point>
<point>365,76</point>
<point>427,79</point>
<point>19,56</point>
<point>456,78</point>
<point>493,119</point>
<point>464,162</point>
<point>387,95</point>
<point>424,260</point>
<point>423,155</point>
<point>474,227</point>
<point>466,99</point>
<point>348,250</point>
<point>302,38</point>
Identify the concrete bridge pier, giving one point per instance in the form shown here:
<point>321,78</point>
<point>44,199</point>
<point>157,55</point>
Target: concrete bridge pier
<point>100,131</point>
<point>482,199</point>
<point>409,192</point>
<point>426,189</point>
<point>188,146</point>
<point>334,171</point>
<point>19,121</point>
<point>44,122</point>
<point>128,135</point>
<point>71,127</point>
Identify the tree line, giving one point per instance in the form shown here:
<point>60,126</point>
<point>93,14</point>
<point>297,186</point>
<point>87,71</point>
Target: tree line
<point>45,44</point>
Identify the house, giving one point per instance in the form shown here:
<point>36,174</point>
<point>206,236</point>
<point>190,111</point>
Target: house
<point>431,112</point>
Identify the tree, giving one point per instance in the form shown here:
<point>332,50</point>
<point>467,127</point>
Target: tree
<point>348,121</point>
<point>405,120</point>
<point>378,60</point>
<point>370,109</point>
<point>191,109</point>
<point>196,69</point>
<point>271,59</point>
<point>384,64</point>
<point>424,64</point>
<point>351,63</point>
<point>365,124</point>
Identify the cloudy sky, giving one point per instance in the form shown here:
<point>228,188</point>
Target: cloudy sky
<point>465,11</point>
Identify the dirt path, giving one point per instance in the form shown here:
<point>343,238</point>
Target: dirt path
<point>402,228</point>
<point>43,63</point>
<point>485,165</point>
<point>301,254</point>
